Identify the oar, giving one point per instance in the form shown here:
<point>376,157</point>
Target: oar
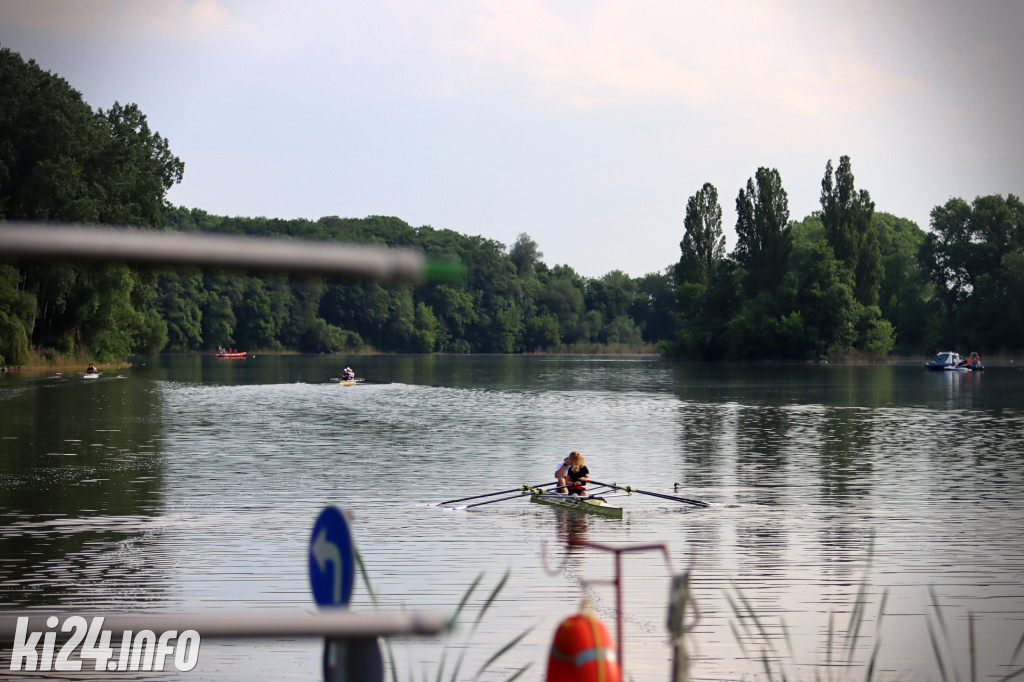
<point>500,499</point>
<point>500,492</point>
<point>629,489</point>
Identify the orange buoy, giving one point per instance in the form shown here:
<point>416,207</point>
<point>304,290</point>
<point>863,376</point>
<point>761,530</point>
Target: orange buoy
<point>583,652</point>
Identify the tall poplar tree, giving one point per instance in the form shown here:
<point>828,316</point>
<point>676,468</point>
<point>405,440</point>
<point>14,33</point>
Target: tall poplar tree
<point>703,242</point>
<point>846,215</point>
<point>762,227</point>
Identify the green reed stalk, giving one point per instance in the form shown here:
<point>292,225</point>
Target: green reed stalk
<point>361,568</point>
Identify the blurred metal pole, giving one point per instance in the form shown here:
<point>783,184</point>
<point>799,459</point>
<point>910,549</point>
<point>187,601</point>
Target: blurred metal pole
<point>681,624</point>
<point>252,624</point>
<point>25,240</point>
<point>353,660</point>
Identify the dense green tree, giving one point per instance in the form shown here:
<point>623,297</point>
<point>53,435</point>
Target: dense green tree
<point>13,340</point>
<point>425,332</point>
<point>824,297</point>
<point>60,161</point>
<point>103,307</point>
<point>757,331</point>
<point>654,306</point>
<point>455,312</point>
<point>1013,270</point>
<point>624,332</point>
<point>762,228</point>
<point>702,332</point>
<point>401,327</point>
<point>137,168</point>
<point>562,300</point>
<point>257,323</point>
<point>542,332</point>
<point>611,295</point>
<point>326,338</point>
<point>179,304</point>
<point>49,139</point>
<point>362,308</point>
<point>303,305</point>
<point>17,317</point>
<point>219,321</point>
<point>971,256</point>
<point>905,297</point>
<point>506,331</point>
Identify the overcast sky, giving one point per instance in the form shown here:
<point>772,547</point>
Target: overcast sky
<point>585,123</point>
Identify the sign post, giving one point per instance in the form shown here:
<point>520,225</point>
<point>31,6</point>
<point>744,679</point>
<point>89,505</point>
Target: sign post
<point>331,577</point>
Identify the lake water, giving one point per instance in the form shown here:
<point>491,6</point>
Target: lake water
<point>194,483</point>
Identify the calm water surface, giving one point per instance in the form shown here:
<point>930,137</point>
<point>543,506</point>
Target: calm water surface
<point>194,483</point>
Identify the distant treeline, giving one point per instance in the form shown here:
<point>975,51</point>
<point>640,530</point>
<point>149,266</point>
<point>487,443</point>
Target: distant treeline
<point>843,280</point>
<point>508,302</point>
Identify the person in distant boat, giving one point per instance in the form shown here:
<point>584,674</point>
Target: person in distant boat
<point>573,475</point>
<point>91,369</point>
<point>348,374</point>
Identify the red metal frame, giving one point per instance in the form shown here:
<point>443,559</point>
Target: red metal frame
<point>617,580</point>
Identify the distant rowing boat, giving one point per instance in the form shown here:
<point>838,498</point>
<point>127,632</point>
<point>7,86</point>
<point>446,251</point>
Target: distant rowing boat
<point>231,355</point>
<point>589,505</point>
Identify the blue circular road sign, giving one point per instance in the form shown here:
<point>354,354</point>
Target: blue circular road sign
<point>331,564</point>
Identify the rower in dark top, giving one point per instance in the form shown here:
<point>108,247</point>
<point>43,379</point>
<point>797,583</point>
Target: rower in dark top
<point>573,475</point>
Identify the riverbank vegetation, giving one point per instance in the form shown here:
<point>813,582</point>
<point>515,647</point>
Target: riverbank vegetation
<point>846,280</point>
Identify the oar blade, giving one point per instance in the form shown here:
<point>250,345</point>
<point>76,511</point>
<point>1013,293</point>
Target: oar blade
<point>499,492</point>
<point>500,499</point>
<point>630,489</point>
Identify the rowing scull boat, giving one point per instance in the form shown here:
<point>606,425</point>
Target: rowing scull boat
<point>590,505</point>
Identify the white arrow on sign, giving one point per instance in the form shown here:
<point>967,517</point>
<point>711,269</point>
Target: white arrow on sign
<point>325,551</point>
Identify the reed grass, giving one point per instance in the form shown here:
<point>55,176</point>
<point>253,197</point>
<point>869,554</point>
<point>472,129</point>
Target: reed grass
<point>841,647</point>
<point>754,636</point>
<point>463,646</point>
<point>942,645</point>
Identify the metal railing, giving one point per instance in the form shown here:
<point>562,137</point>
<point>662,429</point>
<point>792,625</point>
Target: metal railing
<point>27,240</point>
<point>251,624</point>
<point>351,639</point>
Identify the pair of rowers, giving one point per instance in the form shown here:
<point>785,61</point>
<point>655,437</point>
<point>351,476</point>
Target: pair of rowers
<point>573,475</point>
